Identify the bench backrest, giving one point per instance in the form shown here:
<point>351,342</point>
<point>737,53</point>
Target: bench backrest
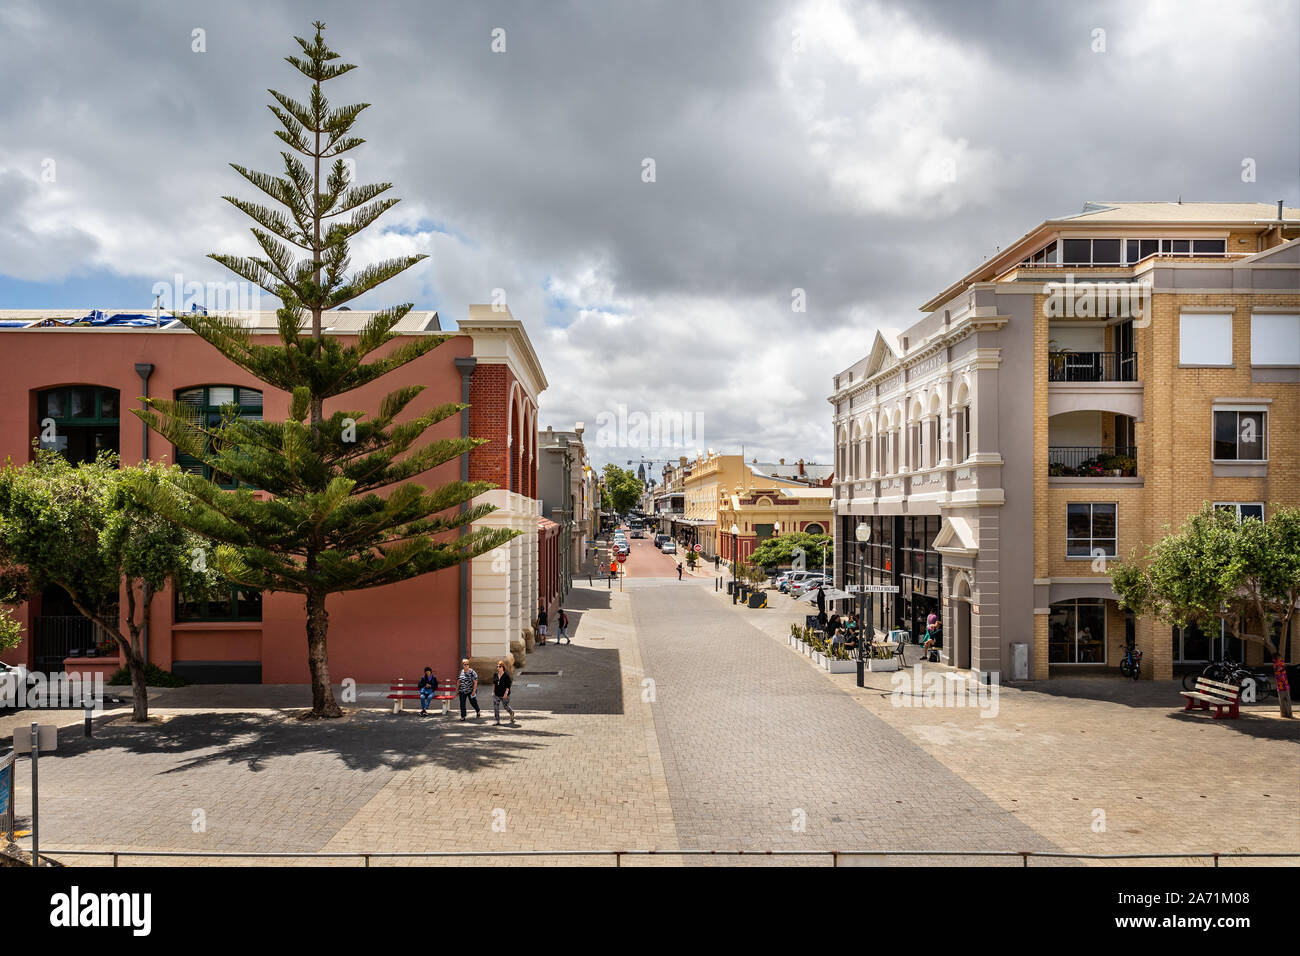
<point>1214,688</point>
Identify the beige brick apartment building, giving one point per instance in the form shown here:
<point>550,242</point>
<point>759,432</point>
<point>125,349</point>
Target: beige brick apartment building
<point>1058,406</point>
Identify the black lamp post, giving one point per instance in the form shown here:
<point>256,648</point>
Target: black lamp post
<point>862,534</point>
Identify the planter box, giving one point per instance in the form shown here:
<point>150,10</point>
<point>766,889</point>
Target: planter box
<point>820,658</point>
<point>882,666</point>
<point>841,667</point>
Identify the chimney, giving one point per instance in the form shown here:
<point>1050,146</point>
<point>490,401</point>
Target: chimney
<point>1279,210</point>
<point>801,469</point>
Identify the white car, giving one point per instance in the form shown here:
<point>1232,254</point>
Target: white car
<point>791,578</point>
<point>803,587</point>
<point>669,547</point>
<point>12,677</point>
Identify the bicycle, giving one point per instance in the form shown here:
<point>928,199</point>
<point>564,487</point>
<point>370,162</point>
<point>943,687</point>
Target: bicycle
<point>1131,665</point>
<point>1226,671</point>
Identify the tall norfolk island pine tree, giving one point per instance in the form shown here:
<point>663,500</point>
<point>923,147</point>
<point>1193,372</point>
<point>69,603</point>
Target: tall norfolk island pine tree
<point>326,527</point>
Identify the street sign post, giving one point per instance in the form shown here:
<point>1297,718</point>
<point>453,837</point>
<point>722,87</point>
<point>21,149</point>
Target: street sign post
<point>699,548</point>
<point>33,740</point>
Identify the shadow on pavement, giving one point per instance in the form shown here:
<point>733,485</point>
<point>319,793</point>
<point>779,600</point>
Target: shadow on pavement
<point>364,740</point>
<point>1257,720</point>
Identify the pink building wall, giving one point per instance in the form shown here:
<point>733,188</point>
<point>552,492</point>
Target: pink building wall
<point>375,635</point>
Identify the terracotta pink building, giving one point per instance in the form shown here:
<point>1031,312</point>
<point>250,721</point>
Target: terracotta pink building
<point>73,386</point>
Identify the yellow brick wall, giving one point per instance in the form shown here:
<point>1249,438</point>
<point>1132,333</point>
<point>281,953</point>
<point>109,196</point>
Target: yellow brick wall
<point>1174,451</point>
<point>1130,509</point>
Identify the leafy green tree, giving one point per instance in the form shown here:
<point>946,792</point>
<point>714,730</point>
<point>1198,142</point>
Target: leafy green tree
<point>1216,569</point>
<point>621,489</point>
<point>82,528</point>
<point>342,514</point>
<point>788,549</point>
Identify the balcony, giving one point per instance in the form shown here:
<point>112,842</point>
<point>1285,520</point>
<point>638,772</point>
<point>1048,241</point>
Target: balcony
<point>1092,461</point>
<point>1068,366</point>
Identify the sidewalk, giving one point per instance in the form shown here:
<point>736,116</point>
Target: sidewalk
<point>1097,765</point>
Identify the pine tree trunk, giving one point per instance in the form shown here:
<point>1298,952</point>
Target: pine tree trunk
<point>322,694</point>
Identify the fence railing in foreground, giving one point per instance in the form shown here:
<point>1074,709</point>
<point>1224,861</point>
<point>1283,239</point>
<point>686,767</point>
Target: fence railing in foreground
<point>619,855</point>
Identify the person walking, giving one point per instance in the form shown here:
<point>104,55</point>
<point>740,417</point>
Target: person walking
<point>679,570</point>
<point>467,687</point>
<point>427,687</point>
<point>501,682</point>
<point>541,624</point>
<point>564,628</point>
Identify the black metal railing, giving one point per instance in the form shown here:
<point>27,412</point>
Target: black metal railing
<point>1092,461</point>
<point>58,635</point>
<point>1091,366</point>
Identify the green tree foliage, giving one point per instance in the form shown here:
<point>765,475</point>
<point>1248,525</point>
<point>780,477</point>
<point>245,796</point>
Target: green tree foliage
<point>788,549</point>
<point>82,528</point>
<point>1215,569</point>
<point>621,489</point>
<point>342,513</point>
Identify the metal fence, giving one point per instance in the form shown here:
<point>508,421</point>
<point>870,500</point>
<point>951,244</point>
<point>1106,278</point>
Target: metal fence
<point>1092,460</point>
<point>618,858</point>
<point>1091,366</point>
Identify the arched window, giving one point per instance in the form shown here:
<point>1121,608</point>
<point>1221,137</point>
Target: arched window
<point>208,402</point>
<point>814,528</point>
<point>78,421</point>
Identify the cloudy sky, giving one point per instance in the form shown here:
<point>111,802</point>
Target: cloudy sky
<point>866,153</point>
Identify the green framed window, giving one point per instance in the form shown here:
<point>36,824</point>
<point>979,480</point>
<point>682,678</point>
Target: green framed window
<point>208,401</point>
<point>233,603</point>
<point>79,421</point>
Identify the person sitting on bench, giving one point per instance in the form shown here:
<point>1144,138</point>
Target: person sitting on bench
<point>428,686</point>
<point>933,638</point>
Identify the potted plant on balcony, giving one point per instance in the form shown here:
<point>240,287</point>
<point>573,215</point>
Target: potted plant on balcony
<point>1055,469</point>
<point>1125,465</point>
<point>1092,468</point>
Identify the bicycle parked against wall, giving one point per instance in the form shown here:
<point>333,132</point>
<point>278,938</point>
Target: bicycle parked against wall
<point>1131,665</point>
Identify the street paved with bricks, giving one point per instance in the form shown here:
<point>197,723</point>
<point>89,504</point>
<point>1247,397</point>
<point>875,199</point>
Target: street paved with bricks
<point>675,720</point>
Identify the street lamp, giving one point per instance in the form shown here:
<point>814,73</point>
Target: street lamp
<point>862,534</point>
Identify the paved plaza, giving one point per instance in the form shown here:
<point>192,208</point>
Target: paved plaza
<point>675,721</point>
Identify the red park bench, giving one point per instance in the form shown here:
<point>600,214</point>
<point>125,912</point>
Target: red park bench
<point>409,690</point>
<point>1212,693</point>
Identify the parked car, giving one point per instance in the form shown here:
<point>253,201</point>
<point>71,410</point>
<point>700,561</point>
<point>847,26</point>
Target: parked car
<point>669,547</point>
<point>791,578</point>
<point>802,588</point>
<point>12,677</point>
<point>622,547</point>
<point>660,539</point>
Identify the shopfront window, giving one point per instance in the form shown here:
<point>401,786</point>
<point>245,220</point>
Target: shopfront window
<point>1077,632</point>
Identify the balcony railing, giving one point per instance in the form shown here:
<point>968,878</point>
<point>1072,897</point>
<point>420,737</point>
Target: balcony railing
<point>1092,366</point>
<point>1092,461</point>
